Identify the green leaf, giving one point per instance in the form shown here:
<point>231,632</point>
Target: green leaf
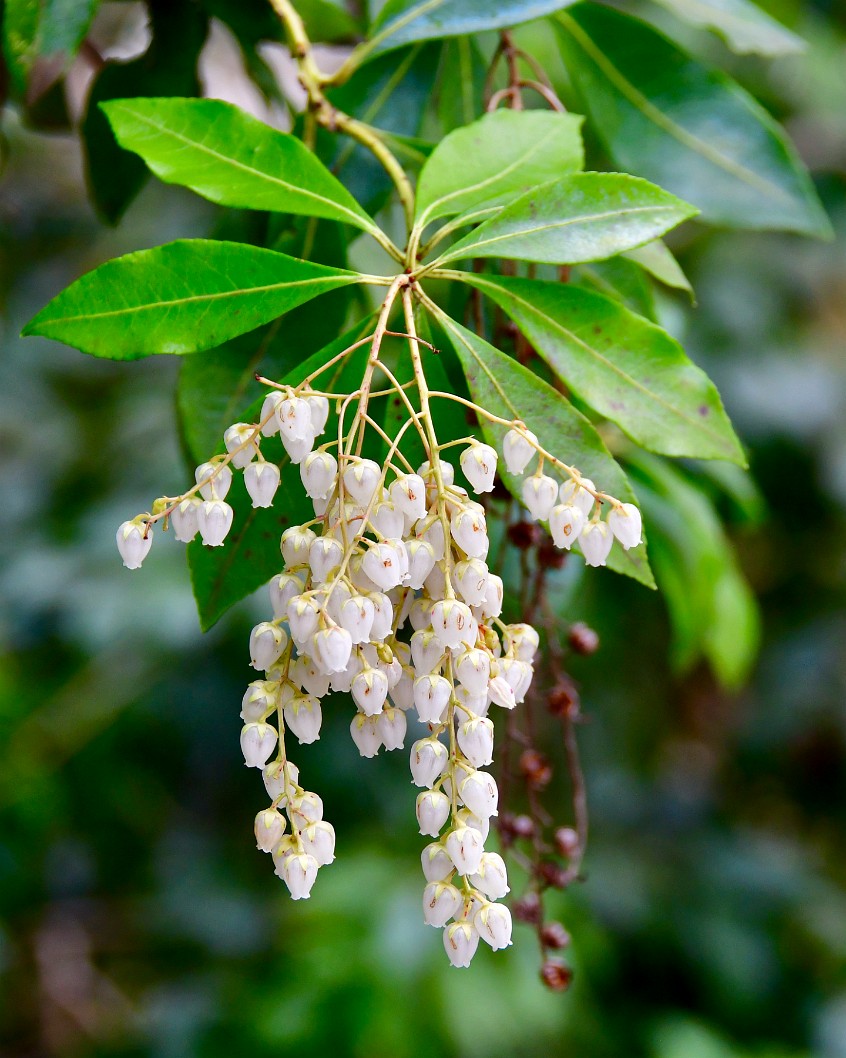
<point>459,90</point>
<point>691,129</point>
<point>656,259</point>
<point>36,30</point>
<point>231,158</point>
<point>626,368</point>
<point>620,279</point>
<point>479,167</point>
<point>187,295</point>
<point>582,217</point>
<point>505,388</point>
<point>742,24</point>
<point>406,21</point>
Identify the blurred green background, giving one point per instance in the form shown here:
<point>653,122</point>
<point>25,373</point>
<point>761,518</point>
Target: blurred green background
<point>136,917</point>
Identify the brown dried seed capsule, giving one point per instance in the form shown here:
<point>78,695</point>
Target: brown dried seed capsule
<point>528,909</point>
<point>523,535</point>
<point>563,699</point>
<point>556,975</point>
<point>554,935</point>
<point>583,639</point>
<point>523,826</point>
<point>536,768</point>
<point>567,841</point>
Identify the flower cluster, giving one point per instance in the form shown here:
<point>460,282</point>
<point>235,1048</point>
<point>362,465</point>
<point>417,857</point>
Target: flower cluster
<point>386,596</point>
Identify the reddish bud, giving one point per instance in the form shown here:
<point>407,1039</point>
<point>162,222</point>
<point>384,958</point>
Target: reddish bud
<point>554,875</point>
<point>523,826</point>
<point>583,639</point>
<point>563,699</point>
<point>523,535</point>
<point>528,909</point>
<point>536,768</point>
<point>567,842</point>
<point>556,975</point>
<point>554,935</point>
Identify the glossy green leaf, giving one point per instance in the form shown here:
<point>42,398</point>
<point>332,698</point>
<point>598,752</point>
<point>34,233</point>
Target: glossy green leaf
<point>741,23</point>
<point>231,158</point>
<point>620,279</point>
<point>582,217</point>
<point>458,97</point>
<point>665,116</point>
<point>187,295</point>
<point>505,388</point>
<point>479,167</point>
<point>656,259</point>
<point>406,21</point>
<point>626,368</point>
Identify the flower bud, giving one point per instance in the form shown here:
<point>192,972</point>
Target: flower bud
<point>384,565</point>
<point>460,942</point>
<point>539,495</point>
<point>361,479</point>
<point>501,692</point>
<point>383,617</point>
<point>579,494</point>
<point>492,877</point>
<point>269,827</point>
<point>369,690</point>
<point>420,614</point>
<point>469,531</point>
<point>324,556</point>
<point>522,640</point>
<point>134,541</point>
<point>319,409</point>
<point>428,759</point>
<point>295,544</point>
<point>214,519</point>
<point>465,848</point>
<point>479,792</point>
<point>493,924</point>
<point>596,541</point>
<point>470,577</point>
<point>215,478</point>
<point>258,741</point>
<point>421,562</point>
<point>441,901</point>
<point>473,669</point>
<point>277,776</point>
<point>452,623</point>
<point>491,605</point>
<point>267,642</point>
<point>517,450</point>
<point>282,588</point>
<point>365,734</point>
<point>259,700</point>
<point>566,522</point>
<point>319,841</point>
<point>268,412</point>
<point>183,518</point>
<point>332,649</point>
<point>625,523</point>
<point>294,417</point>
<point>408,495</point>
<point>303,717</point>
<point>318,472</point>
<point>475,739</point>
<point>431,697</point>
<point>238,435</point>
<point>435,862</point>
<point>402,693</point>
<point>262,481</point>
<point>391,726</point>
<point>432,811</point>
<point>298,871</point>
<point>479,465</point>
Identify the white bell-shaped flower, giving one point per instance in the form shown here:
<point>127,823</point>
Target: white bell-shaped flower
<point>435,862</point>
<point>214,519</point>
<point>479,792</point>
<point>331,603</point>
<point>473,670</point>
<point>473,703</point>
<point>319,841</point>
<point>383,617</point>
<point>432,810</point>
<point>319,408</point>
<point>303,717</point>
<point>469,531</point>
<point>441,901</point>
<point>476,739</point>
<point>470,577</point>
<point>392,726</point>
<point>517,450</point>
<point>420,613</point>
<point>408,494</point>
<point>479,465</point>
<point>452,622</point>
<point>426,651</point>
<point>566,522</point>
<point>359,579</point>
<point>298,871</point>
<point>539,495</point>
<point>267,642</point>
<point>387,520</point>
<point>501,692</point>
<point>433,533</point>
<point>435,584</point>
<point>260,699</point>
<point>332,649</point>
<point>183,518</point>
<point>324,556</point>
<point>133,544</point>
<point>295,544</point>
<point>297,449</point>
<point>426,472</point>
<point>491,605</point>
<point>280,777</point>
<point>262,481</point>
<point>318,473</point>
<point>522,640</point>
<point>369,690</point>
<point>402,694</point>
<point>268,416</point>
<point>214,480</point>
<point>241,443</point>
<point>428,760</point>
<point>361,479</point>
<point>626,524</point>
<point>384,565</point>
<point>304,673</point>
<point>282,588</point>
<point>464,847</point>
<point>258,741</point>
<point>579,494</point>
<point>431,697</point>
<point>294,417</point>
<point>365,734</point>
<point>421,562</point>
<point>303,615</point>
<point>595,542</point>
<point>492,876</point>
<point>473,903</point>
<point>305,808</point>
<point>342,681</point>
<point>460,943</point>
<point>518,675</point>
<point>357,615</point>
<point>269,828</point>
<point>493,924</point>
